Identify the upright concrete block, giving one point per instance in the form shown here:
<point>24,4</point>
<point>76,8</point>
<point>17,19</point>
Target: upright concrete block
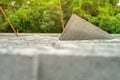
<point>17,65</point>
<point>80,29</point>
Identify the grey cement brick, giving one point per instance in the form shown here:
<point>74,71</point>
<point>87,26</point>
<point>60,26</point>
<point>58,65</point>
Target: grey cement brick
<point>24,58</point>
<point>58,64</point>
<point>14,66</point>
<point>80,29</point>
<point>78,67</point>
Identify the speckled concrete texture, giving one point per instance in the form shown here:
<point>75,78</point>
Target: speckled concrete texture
<point>80,29</point>
<point>45,57</point>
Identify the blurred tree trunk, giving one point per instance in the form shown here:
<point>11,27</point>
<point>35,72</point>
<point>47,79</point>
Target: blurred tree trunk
<point>61,15</point>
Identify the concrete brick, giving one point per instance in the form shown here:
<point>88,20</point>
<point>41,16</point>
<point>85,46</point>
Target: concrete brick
<point>80,29</point>
<point>40,57</point>
<point>78,67</point>
<point>58,64</point>
<point>16,66</point>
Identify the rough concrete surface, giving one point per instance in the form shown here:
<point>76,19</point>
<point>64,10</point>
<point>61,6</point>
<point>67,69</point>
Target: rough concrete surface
<point>80,29</point>
<point>44,57</point>
<point>77,67</point>
<point>18,67</point>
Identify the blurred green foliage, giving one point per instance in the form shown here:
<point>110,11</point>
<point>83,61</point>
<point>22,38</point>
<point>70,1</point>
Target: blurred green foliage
<point>44,15</point>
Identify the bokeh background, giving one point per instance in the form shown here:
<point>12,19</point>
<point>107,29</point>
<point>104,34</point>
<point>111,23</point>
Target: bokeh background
<point>43,16</point>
